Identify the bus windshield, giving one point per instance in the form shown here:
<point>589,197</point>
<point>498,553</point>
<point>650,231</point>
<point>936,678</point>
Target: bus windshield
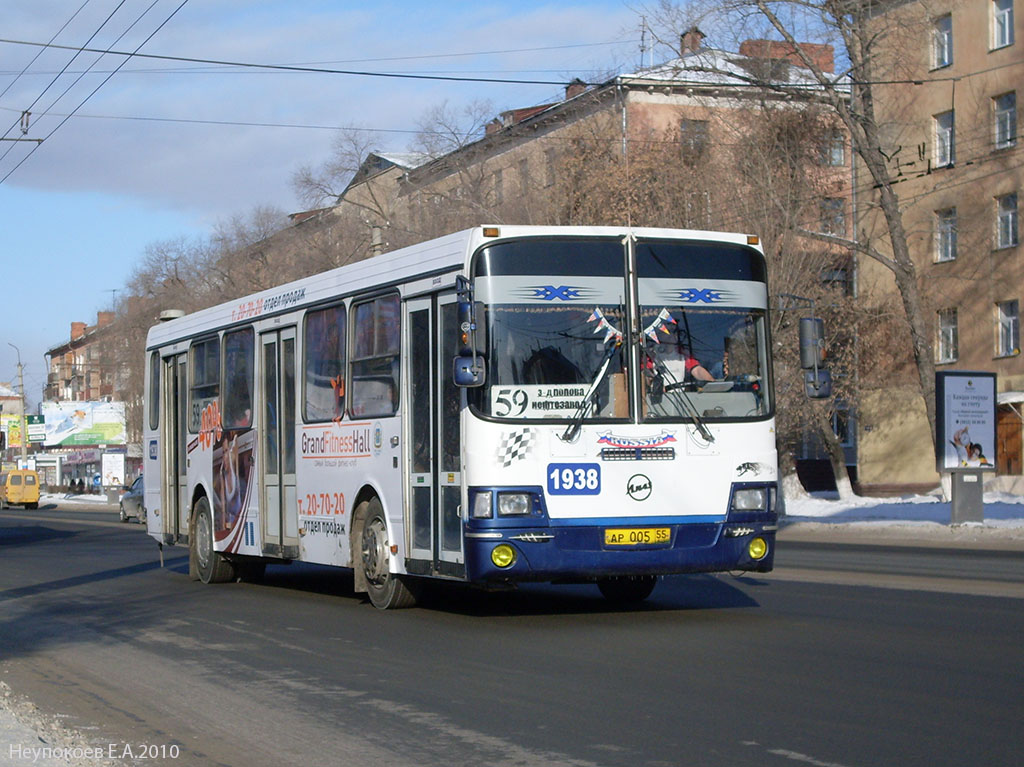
<point>558,336</point>
<point>703,331</point>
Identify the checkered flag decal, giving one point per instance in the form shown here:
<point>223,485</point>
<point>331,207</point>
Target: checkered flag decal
<point>514,446</point>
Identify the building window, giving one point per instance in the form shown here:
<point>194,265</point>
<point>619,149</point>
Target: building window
<point>499,188</point>
<point>1002,23</point>
<point>947,351</point>
<point>524,177</point>
<point>842,423</point>
<point>837,278</point>
<point>1006,221</point>
<point>942,41</point>
<point>693,135</point>
<point>1005,108</point>
<point>1008,331</point>
<point>833,149</point>
<point>945,235</point>
<point>550,167</point>
<point>945,148</point>
<point>833,216</point>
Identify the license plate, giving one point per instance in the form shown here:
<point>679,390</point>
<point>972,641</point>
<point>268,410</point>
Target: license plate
<point>637,536</point>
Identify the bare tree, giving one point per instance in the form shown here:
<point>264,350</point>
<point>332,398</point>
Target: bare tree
<point>323,184</point>
<point>857,29</point>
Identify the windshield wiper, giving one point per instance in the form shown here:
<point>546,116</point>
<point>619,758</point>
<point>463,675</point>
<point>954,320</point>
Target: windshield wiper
<point>675,390</point>
<point>611,346</point>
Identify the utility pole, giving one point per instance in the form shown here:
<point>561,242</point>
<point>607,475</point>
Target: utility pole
<point>24,421</point>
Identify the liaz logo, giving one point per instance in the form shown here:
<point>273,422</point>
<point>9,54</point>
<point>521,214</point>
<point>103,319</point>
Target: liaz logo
<point>639,487</point>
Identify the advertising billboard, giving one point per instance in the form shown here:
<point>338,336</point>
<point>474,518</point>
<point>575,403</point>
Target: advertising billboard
<point>965,414</point>
<point>84,423</point>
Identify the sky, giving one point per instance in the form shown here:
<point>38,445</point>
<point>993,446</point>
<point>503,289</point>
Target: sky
<point>138,151</point>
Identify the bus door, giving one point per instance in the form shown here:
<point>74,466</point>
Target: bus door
<point>174,491</point>
<point>276,435</point>
<point>433,453</point>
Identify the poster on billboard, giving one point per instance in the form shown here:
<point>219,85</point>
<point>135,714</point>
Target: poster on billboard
<point>965,410</point>
<point>84,423</point>
<point>113,469</point>
<point>11,426</point>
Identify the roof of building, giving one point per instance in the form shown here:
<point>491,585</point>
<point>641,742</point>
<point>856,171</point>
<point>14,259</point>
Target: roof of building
<point>711,66</point>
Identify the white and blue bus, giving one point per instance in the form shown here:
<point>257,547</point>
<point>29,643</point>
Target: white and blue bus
<point>500,405</point>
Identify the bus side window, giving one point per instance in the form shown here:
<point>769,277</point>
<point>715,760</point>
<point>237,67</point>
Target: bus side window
<point>205,387</point>
<point>154,390</point>
<point>374,382</point>
<point>324,345</point>
<point>238,371</point>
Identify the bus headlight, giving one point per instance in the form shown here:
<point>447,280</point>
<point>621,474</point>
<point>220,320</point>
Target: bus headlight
<point>513,504</point>
<point>750,499</point>
<point>482,505</point>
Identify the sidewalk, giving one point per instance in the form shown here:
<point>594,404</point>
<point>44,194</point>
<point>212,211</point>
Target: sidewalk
<point>28,737</point>
<point>912,520</point>
<point>83,502</point>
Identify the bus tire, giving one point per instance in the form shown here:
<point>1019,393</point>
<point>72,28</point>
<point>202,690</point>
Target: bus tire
<point>211,566</point>
<point>627,590</point>
<point>386,590</point>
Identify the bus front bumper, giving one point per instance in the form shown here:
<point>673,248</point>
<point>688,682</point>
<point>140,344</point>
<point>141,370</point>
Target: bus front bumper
<point>589,552</point>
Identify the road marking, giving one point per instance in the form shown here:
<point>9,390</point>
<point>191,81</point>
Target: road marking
<point>798,757</point>
<point>795,756</point>
<point>970,587</point>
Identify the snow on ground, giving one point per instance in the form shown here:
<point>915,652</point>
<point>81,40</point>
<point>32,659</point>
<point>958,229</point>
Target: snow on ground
<point>1000,509</point>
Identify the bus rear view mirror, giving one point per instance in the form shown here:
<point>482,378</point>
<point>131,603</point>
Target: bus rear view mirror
<point>818,384</point>
<point>812,342</point>
<point>472,336</point>
<point>469,371</point>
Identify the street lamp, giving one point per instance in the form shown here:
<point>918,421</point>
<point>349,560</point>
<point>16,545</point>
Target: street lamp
<point>24,421</point>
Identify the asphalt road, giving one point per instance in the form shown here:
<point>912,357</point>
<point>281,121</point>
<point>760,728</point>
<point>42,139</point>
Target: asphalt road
<point>847,656</point>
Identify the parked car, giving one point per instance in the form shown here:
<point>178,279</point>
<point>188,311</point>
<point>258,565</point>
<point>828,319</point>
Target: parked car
<point>133,502</point>
<point>19,487</point>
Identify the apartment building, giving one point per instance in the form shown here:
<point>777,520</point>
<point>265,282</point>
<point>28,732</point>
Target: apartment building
<point>950,76</point>
<point>679,125</point>
<point>84,368</point>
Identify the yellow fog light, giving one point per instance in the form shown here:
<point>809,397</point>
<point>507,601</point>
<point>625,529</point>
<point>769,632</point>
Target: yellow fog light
<point>757,548</point>
<point>503,555</point>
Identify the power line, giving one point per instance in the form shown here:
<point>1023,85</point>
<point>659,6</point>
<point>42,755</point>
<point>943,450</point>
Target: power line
<point>283,67</point>
<point>206,70</point>
<point>57,76</point>
<point>40,52</point>
<point>105,80</point>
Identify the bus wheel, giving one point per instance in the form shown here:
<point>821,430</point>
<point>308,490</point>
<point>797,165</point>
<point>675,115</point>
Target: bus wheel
<point>210,565</point>
<point>627,589</point>
<point>387,591</point>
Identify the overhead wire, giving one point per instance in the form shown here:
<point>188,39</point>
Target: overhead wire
<point>449,78</point>
<point>104,81</point>
<point>42,50</point>
<point>59,74</point>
